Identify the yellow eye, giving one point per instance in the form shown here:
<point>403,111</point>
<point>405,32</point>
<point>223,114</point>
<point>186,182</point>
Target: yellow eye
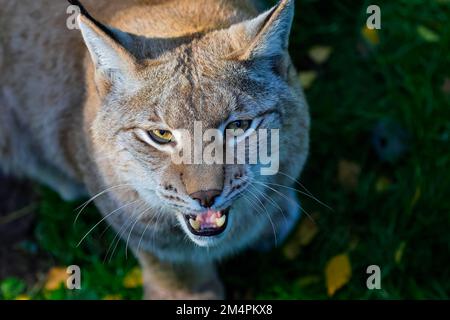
<point>237,128</point>
<point>161,136</point>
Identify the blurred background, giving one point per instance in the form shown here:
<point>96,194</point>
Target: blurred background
<point>380,159</point>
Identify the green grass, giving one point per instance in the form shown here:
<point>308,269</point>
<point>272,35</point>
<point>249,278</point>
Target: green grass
<point>398,81</point>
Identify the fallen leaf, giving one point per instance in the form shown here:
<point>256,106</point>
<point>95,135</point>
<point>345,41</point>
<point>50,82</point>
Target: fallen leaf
<point>320,54</point>
<point>446,86</point>
<point>337,273</point>
<point>399,252</point>
<point>382,184</point>
<point>303,236</point>
<point>55,277</point>
<point>416,197</point>
<point>427,34</point>
<point>133,279</point>
<point>371,36</point>
<point>348,174</point>
<point>307,78</point>
<point>112,297</point>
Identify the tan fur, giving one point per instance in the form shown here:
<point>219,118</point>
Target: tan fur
<point>71,122</point>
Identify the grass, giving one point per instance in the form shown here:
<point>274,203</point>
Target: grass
<point>396,217</point>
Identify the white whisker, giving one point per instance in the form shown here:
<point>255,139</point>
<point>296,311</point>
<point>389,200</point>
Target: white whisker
<point>287,198</point>
<point>308,193</point>
<point>131,230</point>
<point>268,216</point>
<point>104,218</point>
<point>118,236</point>
<point>84,205</point>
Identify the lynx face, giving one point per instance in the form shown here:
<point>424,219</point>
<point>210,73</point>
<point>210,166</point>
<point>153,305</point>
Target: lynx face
<point>152,94</point>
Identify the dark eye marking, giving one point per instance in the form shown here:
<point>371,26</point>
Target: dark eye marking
<point>269,111</point>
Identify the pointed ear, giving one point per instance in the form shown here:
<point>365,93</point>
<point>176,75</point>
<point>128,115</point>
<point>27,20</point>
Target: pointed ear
<point>114,65</point>
<point>266,35</point>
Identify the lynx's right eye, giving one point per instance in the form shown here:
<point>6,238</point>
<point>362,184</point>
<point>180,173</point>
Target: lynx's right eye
<point>161,136</point>
<point>239,126</point>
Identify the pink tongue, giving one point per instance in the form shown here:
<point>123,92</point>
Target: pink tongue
<point>209,218</point>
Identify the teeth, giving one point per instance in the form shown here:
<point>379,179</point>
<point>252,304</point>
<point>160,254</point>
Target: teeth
<point>195,224</point>
<point>221,221</point>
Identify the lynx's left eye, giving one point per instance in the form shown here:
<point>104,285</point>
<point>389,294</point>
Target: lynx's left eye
<point>238,125</point>
<point>161,136</point>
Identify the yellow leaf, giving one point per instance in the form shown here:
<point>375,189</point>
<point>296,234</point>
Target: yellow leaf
<point>371,36</point>
<point>416,197</point>
<point>23,297</point>
<point>307,78</point>
<point>337,273</point>
<point>55,277</point>
<point>399,252</point>
<point>112,297</point>
<point>303,236</point>
<point>382,184</point>
<point>133,279</point>
<point>320,54</point>
<point>348,174</point>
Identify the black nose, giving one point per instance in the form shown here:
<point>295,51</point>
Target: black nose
<point>206,198</point>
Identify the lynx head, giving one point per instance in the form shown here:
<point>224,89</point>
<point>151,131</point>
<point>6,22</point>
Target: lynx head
<point>154,91</point>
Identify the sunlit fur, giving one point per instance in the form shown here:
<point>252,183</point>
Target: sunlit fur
<point>71,117</point>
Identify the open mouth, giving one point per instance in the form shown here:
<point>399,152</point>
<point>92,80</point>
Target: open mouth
<point>207,224</point>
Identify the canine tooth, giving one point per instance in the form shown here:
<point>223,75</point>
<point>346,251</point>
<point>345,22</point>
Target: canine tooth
<point>221,221</point>
<point>194,224</point>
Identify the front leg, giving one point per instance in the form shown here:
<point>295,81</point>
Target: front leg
<point>187,281</point>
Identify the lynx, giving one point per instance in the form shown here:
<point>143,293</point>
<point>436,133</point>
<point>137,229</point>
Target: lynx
<point>95,112</point>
